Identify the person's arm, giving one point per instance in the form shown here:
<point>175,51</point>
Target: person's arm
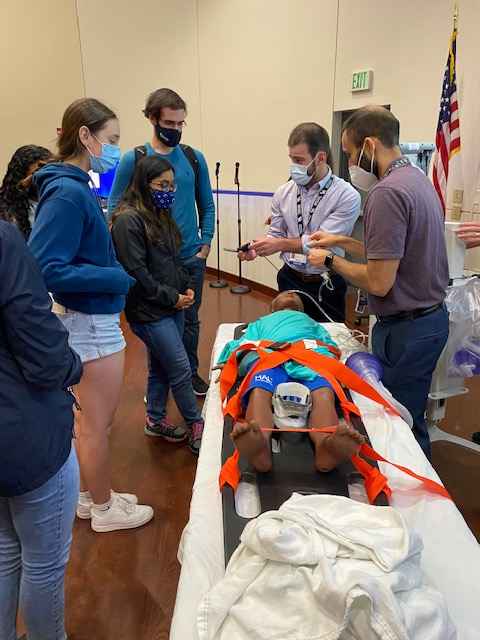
<point>120,182</point>
<point>36,337</point>
<point>277,238</point>
<point>206,206</point>
<point>54,243</point>
<point>342,220</point>
<point>322,239</point>
<point>470,233</point>
<point>386,229</point>
<point>376,277</point>
<point>131,248</point>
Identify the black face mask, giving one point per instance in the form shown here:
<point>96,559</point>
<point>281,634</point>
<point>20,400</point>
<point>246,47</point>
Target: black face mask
<point>169,137</point>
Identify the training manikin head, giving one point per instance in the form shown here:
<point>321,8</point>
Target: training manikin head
<point>286,300</point>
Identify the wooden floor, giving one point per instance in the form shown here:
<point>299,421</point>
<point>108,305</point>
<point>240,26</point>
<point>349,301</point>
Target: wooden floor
<point>121,585</point>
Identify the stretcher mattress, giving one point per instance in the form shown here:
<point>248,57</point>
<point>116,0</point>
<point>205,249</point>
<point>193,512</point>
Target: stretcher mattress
<point>451,555</point>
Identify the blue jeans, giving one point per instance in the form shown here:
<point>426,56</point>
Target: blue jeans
<point>35,537</point>
<point>408,351</point>
<point>168,367</point>
<point>196,269</point>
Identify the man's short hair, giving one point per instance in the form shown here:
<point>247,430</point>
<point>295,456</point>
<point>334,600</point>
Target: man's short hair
<point>376,121</point>
<point>161,98</point>
<point>313,135</point>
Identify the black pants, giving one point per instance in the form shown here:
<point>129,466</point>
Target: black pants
<point>332,301</point>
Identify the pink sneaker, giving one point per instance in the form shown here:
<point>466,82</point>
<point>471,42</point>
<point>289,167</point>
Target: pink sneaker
<point>165,429</point>
<point>195,437</point>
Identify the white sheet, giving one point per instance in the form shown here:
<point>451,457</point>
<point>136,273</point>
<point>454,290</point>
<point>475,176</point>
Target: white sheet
<point>325,567</point>
<point>451,555</point>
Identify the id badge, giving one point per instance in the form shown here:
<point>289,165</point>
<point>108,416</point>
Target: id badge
<point>297,259</point>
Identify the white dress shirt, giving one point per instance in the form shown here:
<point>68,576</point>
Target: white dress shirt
<point>336,213</point>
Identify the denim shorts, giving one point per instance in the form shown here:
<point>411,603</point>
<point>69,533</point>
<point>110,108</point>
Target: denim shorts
<point>93,336</point>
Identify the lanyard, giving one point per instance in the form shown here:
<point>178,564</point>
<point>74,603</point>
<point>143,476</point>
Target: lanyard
<point>315,204</point>
<point>398,163</point>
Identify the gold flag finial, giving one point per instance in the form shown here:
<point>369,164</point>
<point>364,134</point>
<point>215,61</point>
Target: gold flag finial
<point>455,16</point>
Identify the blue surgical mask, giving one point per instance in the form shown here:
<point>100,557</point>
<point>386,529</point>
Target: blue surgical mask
<point>163,199</point>
<point>169,137</point>
<point>108,160</point>
<point>299,173</point>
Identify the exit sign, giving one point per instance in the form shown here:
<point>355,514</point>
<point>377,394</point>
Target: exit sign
<point>361,80</point>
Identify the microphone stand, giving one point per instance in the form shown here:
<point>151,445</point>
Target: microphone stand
<point>240,287</point>
<point>218,284</point>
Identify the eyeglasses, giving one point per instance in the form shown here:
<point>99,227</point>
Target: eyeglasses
<point>165,186</point>
<point>171,124</point>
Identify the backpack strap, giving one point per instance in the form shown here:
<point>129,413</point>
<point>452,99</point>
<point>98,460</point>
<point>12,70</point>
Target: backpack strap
<point>193,160</point>
<point>140,152</point>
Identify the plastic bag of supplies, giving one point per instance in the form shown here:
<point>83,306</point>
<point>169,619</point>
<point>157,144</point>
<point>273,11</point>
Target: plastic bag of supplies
<point>463,346</point>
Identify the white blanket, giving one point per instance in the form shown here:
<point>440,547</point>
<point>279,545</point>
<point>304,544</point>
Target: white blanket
<point>325,567</point>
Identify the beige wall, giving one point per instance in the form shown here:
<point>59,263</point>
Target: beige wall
<point>406,45</point>
<point>40,71</point>
<point>128,52</point>
<point>249,71</point>
<point>236,64</point>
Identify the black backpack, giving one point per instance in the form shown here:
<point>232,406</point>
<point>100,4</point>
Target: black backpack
<point>141,151</point>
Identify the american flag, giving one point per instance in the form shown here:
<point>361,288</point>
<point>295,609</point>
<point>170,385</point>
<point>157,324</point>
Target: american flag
<point>447,140</point>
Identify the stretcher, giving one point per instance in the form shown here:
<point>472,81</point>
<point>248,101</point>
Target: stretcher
<point>450,557</point>
<point>292,471</point>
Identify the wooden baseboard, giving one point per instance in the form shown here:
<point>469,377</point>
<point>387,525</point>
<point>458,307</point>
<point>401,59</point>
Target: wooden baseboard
<point>232,279</point>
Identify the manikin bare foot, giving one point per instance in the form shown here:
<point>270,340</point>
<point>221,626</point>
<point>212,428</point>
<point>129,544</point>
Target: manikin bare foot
<point>337,447</point>
<point>251,442</point>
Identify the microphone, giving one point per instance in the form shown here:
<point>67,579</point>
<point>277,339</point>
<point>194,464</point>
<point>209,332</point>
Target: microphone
<point>237,167</point>
<point>217,169</point>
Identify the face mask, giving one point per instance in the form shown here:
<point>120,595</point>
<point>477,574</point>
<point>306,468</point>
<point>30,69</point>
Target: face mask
<point>163,199</point>
<point>169,137</point>
<point>299,173</point>
<point>361,179</point>
<point>108,160</point>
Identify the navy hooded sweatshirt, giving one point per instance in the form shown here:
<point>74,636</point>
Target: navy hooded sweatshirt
<point>36,367</point>
<point>72,244</point>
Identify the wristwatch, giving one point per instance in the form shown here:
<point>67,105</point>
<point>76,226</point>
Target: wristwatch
<point>328,260</point>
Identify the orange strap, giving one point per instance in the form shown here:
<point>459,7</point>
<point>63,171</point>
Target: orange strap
<point>230,473</point>
<point>329,368</point>
<point>333,371</point>
<point>230,371</point>
<point>373,481</point>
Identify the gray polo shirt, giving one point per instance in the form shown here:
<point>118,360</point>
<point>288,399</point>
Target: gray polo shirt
<point>403,220</point>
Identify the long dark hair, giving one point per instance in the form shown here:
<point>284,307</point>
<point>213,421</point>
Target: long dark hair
<point>159,224</point>
<point>16,189</point>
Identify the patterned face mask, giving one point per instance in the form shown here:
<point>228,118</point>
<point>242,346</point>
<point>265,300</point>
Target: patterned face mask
<point>163,199</point>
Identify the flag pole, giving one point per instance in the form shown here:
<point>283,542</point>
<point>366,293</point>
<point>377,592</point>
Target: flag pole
<point>455,16</point>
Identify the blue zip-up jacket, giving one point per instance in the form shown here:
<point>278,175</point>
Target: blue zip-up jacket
<point>72,244</point>
<point>36,367</point>
<point>184,208</point>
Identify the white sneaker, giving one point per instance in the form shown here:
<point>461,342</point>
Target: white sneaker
<point>121,515</point>
<point>84,505</point>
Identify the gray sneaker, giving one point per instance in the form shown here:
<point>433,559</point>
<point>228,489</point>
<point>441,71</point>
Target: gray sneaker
<point>165,429</point>
<point>195,437</point>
